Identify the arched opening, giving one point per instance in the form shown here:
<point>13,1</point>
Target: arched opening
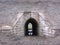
<point>31,27</point>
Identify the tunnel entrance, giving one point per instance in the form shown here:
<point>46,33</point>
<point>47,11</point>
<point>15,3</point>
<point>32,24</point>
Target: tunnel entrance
<point>31,27</point>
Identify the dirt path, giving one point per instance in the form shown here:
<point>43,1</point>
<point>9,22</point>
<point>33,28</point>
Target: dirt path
<point>11,39</point>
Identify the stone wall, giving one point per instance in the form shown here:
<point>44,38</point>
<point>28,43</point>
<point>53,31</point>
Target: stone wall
<point>43,26</point>
<point>19,30</point>
<point>9,10</point>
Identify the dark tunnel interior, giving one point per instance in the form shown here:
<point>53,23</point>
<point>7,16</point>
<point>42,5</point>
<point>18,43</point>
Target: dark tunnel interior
<point>34,27</point>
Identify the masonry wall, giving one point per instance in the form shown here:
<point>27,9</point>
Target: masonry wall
<point>20,26</point>
<point>43,27</point>
<point>49,8</point>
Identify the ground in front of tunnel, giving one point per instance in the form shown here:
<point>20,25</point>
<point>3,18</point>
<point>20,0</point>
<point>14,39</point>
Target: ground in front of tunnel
<point>7,38</point>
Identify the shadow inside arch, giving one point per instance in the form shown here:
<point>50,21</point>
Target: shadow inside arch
<point>34,27</point>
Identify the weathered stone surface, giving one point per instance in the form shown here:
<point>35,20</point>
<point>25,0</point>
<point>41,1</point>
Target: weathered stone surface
<point>46,10</point>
